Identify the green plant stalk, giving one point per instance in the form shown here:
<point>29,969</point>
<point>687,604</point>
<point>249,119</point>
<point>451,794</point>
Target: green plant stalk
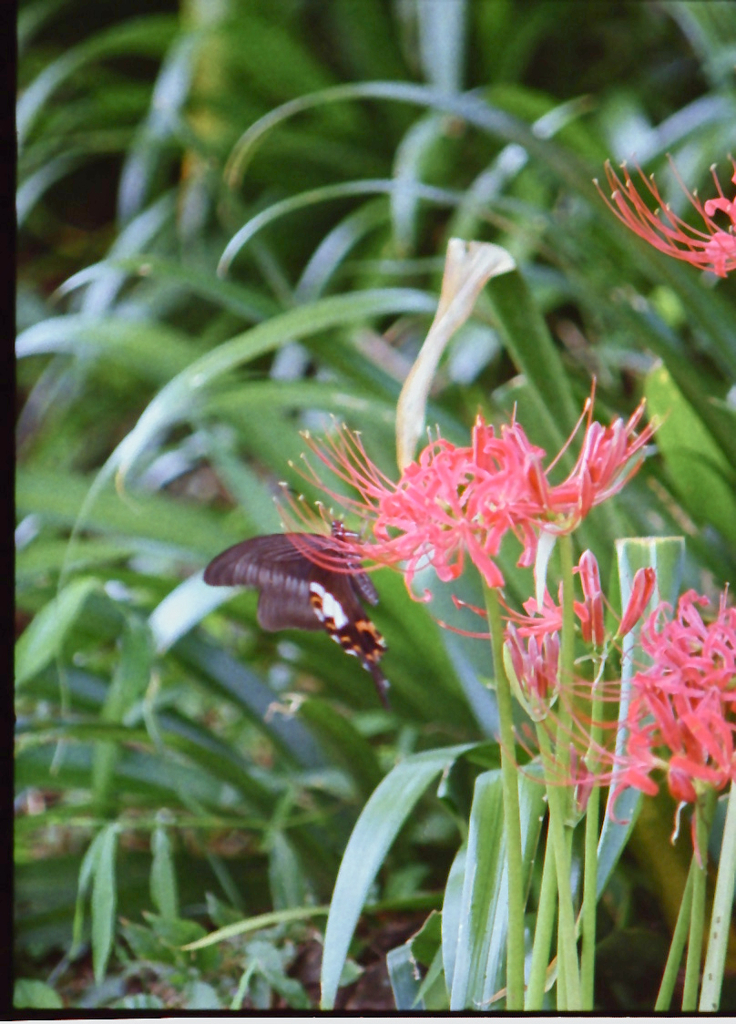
<point>542,932</point>
<point>567,943</point>
<point>562,995</point>
<point>512,816</point>
<point>697,913</point>
<point>592,820</point>
<point>590,885</point>
<point>559,799</point>
<point>677,945</point>
<point>715,958</point>
<point>567,662</point>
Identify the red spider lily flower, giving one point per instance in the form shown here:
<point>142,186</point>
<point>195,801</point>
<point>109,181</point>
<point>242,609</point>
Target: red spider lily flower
<point>535,675</point>
<point>537,621</point>
<point>713,249</point>
<point>449,502</point>
<point>609,457</point>
<point>455,502</point>
<point>590,611</point>
<point>642,588</point>
<point>682,714</point>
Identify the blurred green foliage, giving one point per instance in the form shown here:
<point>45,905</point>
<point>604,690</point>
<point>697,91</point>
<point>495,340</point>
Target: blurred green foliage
<point>328,150</point>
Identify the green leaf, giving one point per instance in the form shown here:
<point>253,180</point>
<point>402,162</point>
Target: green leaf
<point>254,924</point>
<point>285,873</point>
<point>366,187</point>
<point>404,977</point>
<point>180,397</point>
<point>452,908</point>
<point>442,37</point>
<point>699,471</point>
<point>43,638</point>
<point>155,518</point>
<point>481,898</point>
<point>104,900</point>
<point>145,944</point>
<point>425,949</point>
<point>233,296</point>
<point>199,995</point>
<point>528,342</point>
<point>382,817</point>
<point>270,964</point>
<point>163,874</point>
<point>183,608</point>
<point>146,36</point>
<point>478,965</point>
<point>666,555</point>
<point>130,679</point>
<point>176,933</point>
<point>230,680</point>
<point>29,994</point>
<point>156,352</point>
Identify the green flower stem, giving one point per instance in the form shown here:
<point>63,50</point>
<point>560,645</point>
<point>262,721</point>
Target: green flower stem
<point>669,977</point>
<point>568,970</point>
<point>567,661</point>
<point>562,995</point>
<point>590,885</point>
<point>697,913</point>
<point>512,817</point>
<point>560,799</point>
<point>542,933</point>
<point>592,819</point>
<point>715,958</point>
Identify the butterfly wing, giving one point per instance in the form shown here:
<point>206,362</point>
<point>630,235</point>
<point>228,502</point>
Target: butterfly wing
<point>363,586</point>
<point>297,593</point>
<point>336,605</point>
<point>279,570</point>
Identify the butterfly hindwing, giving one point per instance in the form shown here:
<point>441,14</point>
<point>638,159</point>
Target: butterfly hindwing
<point>285,604</point>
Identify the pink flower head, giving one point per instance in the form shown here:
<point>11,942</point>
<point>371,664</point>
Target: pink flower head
<point>682,715</point>
<point>451,501</point>
<point>537,621</point>
<point>642,589</point>
<point>455,501</point>
<point>608,458</point>
<point>590,610</point>
<point>535,664</point>
<point>713,249</point>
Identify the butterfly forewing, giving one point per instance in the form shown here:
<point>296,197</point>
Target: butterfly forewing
<point>262,562</point>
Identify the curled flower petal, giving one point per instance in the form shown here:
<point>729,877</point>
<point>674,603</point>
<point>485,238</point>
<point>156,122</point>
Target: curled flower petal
<point>711,249</point>
<point>590,612</point>
<point>642,589</point>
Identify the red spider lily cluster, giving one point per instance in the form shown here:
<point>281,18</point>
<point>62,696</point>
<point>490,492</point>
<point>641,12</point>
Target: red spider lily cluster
<point>711,249</point>
<point>454,501</point>
<point>533,638</point>
<point>682,714</point>
<point>536,669</point>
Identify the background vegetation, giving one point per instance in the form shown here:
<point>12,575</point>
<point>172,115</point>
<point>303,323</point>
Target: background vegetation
<point>160,793</point>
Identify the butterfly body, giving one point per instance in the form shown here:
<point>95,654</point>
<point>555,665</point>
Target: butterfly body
<point>307,581</point>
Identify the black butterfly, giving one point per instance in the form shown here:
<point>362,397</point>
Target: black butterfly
<point>298,592</point>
